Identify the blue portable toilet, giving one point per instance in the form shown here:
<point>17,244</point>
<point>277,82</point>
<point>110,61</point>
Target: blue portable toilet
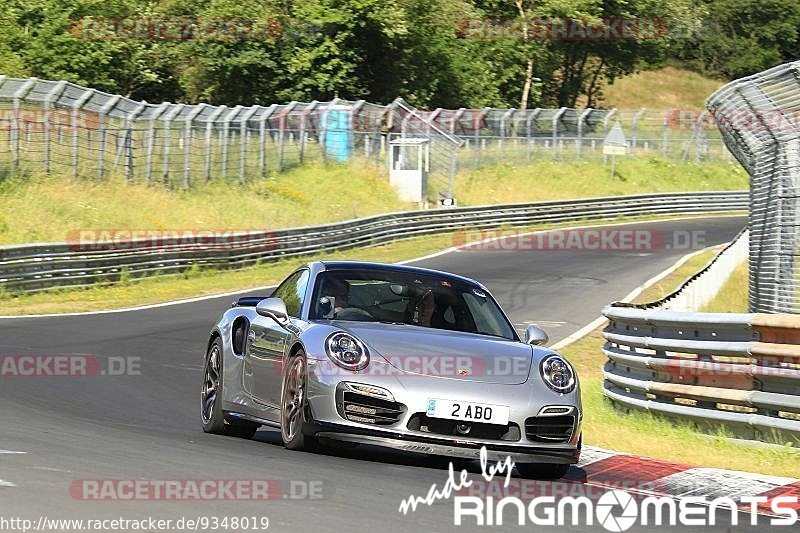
<point>338,132</point>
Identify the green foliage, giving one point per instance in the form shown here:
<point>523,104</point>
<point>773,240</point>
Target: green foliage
<point>378,50</point>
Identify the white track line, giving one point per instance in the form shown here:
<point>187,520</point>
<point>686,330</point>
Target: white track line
<point>6,483</point>
<point>11,452</point>
<point>417,259</point>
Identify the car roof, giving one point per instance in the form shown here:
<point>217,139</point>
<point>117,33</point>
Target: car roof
<point>387,267</point>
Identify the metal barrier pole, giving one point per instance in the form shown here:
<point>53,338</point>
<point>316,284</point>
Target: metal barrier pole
<point>18,94</point>
<point>225,135</point>
<point>303,118</point>
<point>556,118</point>
<point>262,134</point>
<point>635,132</point>
<point>243,140</point>
<point>48,111</point>
<point>187,142</point>
<point>76,107</point>
<point>282,126</point>
<point>209,131</point>
<point>174,112</point>
<point>503,120</point>
<point>101,154</point>
<point>581,118</point>
<point>129,139</point>
<point>151,141</point>
<point>531,117</point>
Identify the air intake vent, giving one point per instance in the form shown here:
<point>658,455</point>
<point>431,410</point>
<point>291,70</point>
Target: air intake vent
<point>368,410</point>
<point>549,428</point>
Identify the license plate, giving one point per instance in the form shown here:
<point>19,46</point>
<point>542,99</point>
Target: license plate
<point>469,411</point>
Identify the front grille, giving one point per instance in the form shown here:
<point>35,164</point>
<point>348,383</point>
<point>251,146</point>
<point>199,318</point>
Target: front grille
<point>368,410</point>
<point>440,426</point>
<point>550,428</point>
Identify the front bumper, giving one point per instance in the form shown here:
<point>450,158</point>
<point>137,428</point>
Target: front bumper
<point>526,400</point>
<point>463,449</point>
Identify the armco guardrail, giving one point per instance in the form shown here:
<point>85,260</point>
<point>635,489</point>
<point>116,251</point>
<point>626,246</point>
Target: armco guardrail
<point>39,267</point>
<point>740,370</point>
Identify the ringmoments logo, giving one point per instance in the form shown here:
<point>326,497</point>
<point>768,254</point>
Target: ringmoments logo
<point>616,510</point>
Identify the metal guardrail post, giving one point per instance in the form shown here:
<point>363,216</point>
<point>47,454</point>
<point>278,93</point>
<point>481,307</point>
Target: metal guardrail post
<point>18,95</point>
<point>581,119</point>
<point>101,153</point>
<point>556,118</point>
<point>168,118</point>
<point>476,130</point>
<point>133,115</point>
<point>54,93</point>
<point>187,142</point>
<point>225,137</point>
<point>76,108</point>
<point>503,121</point>
<point>209,130</point>
<point>528,121</point>
<point>665,135</point>
<point>151,140</point>
<point>282,133</point>
<point>303,125</point>
<point>243,120</point>
<point>355,111</point>
<point>635,127</point>
<point>262,135</point>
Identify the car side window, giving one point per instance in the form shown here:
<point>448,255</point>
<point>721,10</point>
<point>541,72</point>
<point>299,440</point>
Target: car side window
<point>292,291</point>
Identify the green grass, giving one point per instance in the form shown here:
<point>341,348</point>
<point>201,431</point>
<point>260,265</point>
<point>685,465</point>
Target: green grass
<point>37,208</point>
<point>663,88</point>
<point>648,435</point>
<point>45,209</point>
<point>732,297</point>
<point>550,180</point>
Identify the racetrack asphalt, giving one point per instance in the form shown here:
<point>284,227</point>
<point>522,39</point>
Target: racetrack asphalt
<point>147,426</point>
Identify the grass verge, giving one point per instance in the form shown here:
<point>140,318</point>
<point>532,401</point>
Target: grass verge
<point>649,435</point>
<point>50,209</point>
<point>732,297</point>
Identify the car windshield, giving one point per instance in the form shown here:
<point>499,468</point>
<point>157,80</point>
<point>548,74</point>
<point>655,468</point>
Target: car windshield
<point>407,298</point>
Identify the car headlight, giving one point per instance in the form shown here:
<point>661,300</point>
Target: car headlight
<point>558,374</point>
<point>347,351</point>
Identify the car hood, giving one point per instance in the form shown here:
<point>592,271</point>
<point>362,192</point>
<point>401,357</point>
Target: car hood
<point>443,353</point>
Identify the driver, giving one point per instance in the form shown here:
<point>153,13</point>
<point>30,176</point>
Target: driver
<point>420,309</point>
<point>339,290</point>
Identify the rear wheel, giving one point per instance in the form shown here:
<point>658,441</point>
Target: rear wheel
<point>211,413</point>
<point>542,470</point>
<point>293,406</point>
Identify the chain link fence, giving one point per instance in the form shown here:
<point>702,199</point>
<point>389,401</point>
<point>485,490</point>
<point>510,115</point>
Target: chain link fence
<point>759,118</point>
<point>59,127</point>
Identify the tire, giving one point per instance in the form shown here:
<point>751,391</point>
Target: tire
<point>294,406</point>
<point>211,414</point>
<point>542,470</point>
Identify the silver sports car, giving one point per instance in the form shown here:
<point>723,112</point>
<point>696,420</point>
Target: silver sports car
<point>409,358</point>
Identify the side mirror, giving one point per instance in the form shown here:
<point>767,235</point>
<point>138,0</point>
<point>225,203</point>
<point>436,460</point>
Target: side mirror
<point>536,336</point>
<point>273,308</point>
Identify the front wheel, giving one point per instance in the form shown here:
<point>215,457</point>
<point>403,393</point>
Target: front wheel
<point>211,413</point>
<point>293,406</point>
<point>542,470</point>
